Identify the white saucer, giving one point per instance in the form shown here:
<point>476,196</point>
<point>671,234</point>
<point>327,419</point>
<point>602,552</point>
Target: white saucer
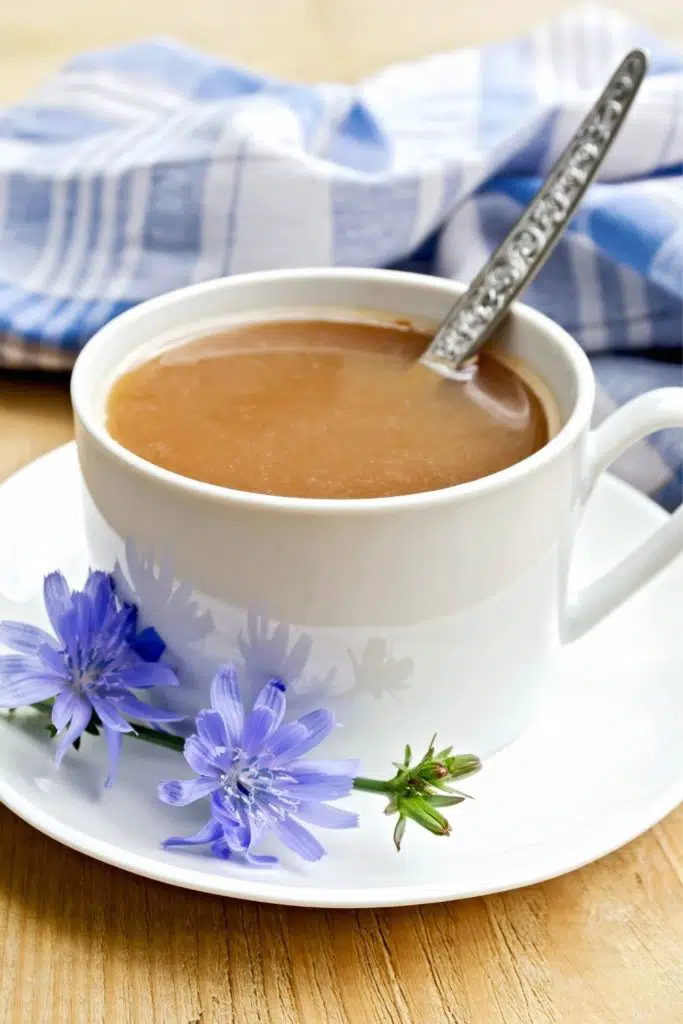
<point>603,763</point>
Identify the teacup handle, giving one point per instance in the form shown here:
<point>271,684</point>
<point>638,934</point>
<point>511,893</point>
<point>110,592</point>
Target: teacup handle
<point>644,415</point>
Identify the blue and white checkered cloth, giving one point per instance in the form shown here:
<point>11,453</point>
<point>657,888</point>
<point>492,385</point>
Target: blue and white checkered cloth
<point>147,167</point>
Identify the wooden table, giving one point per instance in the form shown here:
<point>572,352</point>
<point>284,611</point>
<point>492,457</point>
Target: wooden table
<point>86,944</point>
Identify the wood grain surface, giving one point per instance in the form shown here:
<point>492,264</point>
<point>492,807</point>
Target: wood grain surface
<point>81,943</point>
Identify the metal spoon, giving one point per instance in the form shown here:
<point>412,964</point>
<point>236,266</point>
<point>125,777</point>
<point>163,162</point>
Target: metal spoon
<point>479,311</point>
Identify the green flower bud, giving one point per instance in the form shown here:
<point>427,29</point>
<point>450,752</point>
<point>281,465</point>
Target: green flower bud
<point>419,810</point>
<point>462,765</point>
<point>434,771</point>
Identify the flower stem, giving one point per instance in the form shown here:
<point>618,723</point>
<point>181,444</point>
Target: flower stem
<point>162,739</point>
<point>372,785</point>
<point>142,732</point>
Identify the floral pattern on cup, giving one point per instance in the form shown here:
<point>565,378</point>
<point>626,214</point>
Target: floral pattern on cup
<point>277,650</point>
<point>377,671</point>
<point>150,582</point>
<point>270,650</point>
<point>267,647</point>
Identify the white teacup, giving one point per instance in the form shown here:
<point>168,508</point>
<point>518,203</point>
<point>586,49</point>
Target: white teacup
<point>407,615</point>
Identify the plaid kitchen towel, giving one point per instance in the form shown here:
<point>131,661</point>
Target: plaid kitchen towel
<point>147,167</point>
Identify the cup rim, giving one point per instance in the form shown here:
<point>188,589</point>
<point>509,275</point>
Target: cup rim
<point>85,369</point>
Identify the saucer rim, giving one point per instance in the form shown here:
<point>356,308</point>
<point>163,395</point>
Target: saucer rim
<point>606,834</point>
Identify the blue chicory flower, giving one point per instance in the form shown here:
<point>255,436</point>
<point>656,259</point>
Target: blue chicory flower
<point>253,769</point>
<point>91,664</point>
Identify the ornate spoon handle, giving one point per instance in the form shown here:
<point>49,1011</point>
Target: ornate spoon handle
<point>477,313</point>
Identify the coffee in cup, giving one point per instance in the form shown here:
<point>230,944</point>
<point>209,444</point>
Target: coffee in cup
<point>315,407</point>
